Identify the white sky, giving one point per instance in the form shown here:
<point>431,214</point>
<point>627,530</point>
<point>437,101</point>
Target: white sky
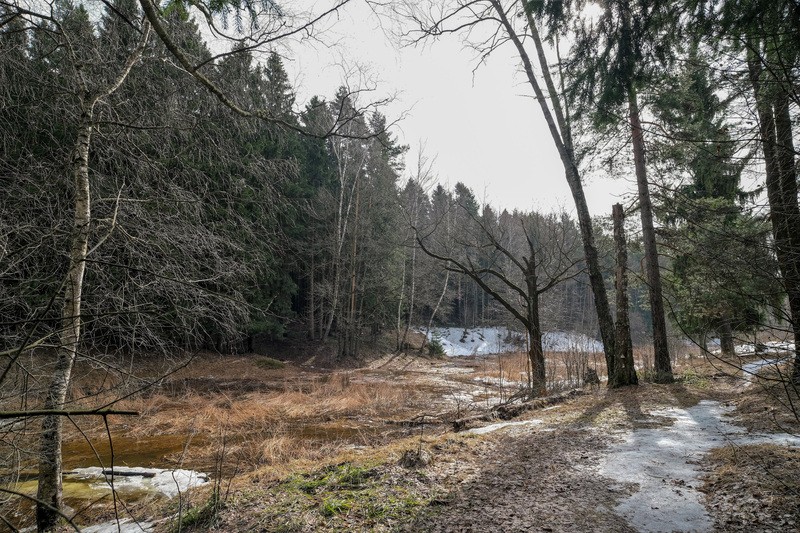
<point>483,130</point>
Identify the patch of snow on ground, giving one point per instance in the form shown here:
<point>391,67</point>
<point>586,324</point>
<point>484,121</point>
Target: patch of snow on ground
<point>751,369</point>
<point>499,382</point>
<point>567,341</point>
<point>492,340</point>
<point>663,463</point>
<point>157,480</point>
<point>766,348</point>
<point>500,425</point>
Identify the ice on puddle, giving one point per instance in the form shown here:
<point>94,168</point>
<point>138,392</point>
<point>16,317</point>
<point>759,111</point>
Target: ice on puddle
<point>157,480</point>
<point>659,459</point>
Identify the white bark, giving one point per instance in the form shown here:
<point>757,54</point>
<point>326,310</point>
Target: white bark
<point>50,491</point>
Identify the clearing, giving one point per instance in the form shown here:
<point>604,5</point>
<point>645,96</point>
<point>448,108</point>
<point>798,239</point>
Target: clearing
<point>293,446</point>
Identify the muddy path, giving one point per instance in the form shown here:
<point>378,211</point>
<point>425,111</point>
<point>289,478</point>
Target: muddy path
<point>631,463</point>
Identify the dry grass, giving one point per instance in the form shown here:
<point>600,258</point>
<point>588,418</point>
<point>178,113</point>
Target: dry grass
<point>297,415</point>
<point>563,370</point>
<point>754,487</point>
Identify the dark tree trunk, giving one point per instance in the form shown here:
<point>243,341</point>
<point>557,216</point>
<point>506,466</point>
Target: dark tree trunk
<point>663,365</point>
<point>775,130</point>
<point>624,370</point>
<point>726,338</point>
<point>535,349</point>
<point>559,130</point>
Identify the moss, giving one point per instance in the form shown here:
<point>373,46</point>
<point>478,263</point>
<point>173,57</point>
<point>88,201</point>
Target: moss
<point>200,517</point>
<point>334,506</point>
<point>268,363</point>
<point>335,497</point>
<point>691,377</point>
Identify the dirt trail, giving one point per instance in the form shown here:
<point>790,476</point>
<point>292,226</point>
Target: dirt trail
<point>533,480</point>
<point>642,472</point>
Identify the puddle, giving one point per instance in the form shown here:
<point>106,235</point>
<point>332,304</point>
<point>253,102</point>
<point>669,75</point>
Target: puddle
<point>663,462</point>
<point>128,451</point>
<point>130,483</point>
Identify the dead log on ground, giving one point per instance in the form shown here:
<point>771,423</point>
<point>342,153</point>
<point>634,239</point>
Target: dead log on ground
<point>508,411</point>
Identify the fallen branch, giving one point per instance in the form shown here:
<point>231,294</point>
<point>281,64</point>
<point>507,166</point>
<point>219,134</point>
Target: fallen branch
<point>128,473</point>
<point>419,420</point>
<point>508,411</point>
<point>57,412</point>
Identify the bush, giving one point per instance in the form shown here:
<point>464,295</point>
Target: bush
<point>435,348</point>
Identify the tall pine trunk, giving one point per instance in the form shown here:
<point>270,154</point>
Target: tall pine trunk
<point>663,365</point>
<point>560,132</point>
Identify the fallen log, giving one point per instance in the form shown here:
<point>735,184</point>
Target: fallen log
<point>462,423</point>
<point>419,420</point>
<point>126,473</point>
<point>507,411</point>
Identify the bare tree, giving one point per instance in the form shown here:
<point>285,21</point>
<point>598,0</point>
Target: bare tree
<point>514,265</point>
<point>415,199</point>
<point>486,26</point>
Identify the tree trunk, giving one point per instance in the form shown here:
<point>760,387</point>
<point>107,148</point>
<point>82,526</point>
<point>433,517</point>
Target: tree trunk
<point>50,492</point>
<point>435,309</point>
<point>411,296</point>
<point>50,489</point>
<point>561,137</point>
<point>399,326</point>
<point>663,365</point>
<point>726,338</point>
<point>312,325</point>
<point>535,348</point>
<point>781,180</point>
<point>788,183</point>
<point>351,315</point>
<point>624,369</point>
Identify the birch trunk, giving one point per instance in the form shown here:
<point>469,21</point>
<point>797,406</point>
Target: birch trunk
<point>436,308</point>
<point>50,492</point>
<point>50,489</point>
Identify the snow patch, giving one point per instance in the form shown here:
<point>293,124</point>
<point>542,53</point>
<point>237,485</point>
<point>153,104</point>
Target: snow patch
<point>663,462</point>
<point>130,479</point>
<point>566,341</point>
<point>751,369</point>
<point>500,425</point>
<point>125,525</point>
<point>493,340</point>
<point>766,348</point>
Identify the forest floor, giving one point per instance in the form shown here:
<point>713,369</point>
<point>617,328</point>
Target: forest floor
<point>295,447</point>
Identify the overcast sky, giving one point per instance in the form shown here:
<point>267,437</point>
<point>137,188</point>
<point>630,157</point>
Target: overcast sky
<point>483,128</point>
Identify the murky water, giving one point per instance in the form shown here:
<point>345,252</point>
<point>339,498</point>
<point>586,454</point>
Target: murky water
<point>153,451</point>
